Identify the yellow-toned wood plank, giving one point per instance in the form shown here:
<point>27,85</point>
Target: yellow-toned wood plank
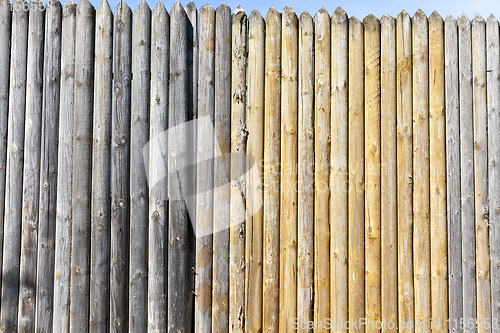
<point>305,214</point>
<point>322,165</point>
<point>356,176</point>
<point>289,151</point>
<point>437,153</point>
<point>373,310</point>
<point>255,149</point>
<point>421,173</point>
<point>272,138</point>
<point>405,172</point>
<point>388,173</point>
<point>480,112</point>
<point>338,166</point>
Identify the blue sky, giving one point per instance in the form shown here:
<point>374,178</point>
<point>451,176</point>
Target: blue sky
<point>358,8</point>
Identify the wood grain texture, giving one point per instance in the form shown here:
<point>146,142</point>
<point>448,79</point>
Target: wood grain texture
<point>437,180</point>
<point>322,108</point>
<point>356,155</point>
<point>5,46</point>
<point>405,171</point>
<point>480,121</point>
<point>289,156</point>
<point>421,173</point>
<point>64,215</point>
<point>222,150</point>
<point>31,171</point>
<point>180,233</point>
<point>14,166</point>
<point>139,200</point>
<point>493,104</point>
<point>100,248</point>
<point>48,168</point>
<point>272,154</point>
<point>339,167</point>
<point>237,211</point>
<point>467,164</point>
<point>82,165</point>
<point>120,169</point>
<point>255,150</point>
<point>388,171</point>
<point>373,306</point>
<point>158,211</point>
<point>205,172</point>
<point>453,188</point>
<point>305,170</point>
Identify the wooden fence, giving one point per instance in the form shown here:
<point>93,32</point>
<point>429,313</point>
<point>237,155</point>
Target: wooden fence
<point>374,201</point>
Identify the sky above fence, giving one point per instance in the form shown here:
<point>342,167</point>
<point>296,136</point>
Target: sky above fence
<point>358,8</point>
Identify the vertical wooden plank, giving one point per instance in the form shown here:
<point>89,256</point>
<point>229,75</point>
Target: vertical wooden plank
<point>453,187</point>
<point>120,169</point>
<point>467,177</point>
<point>181,238</point>
<point>339,168</point>
<point>64,217</point>
<point>5,46</point>
<point>404,171</point>
<point>192,100</point>
<point>388,172</point>
<point>373,306</point>
<point>255,149</point>
<point>272,139</point>
<point>81,169</point>
<point>356,174</point>
<point>289,154</point>
<point>322,108</point>
<point>14,165</point>
<point>222,150</point>
<point>31,171</point>
<point>305,170</point>
<point>238,182</point>
<point>421,173</point>
<point>205,172</point>
<point>493,100</point>
<point>101,171</point>
<point>48,169</point>
<point>437,179</point>
<point>480,120</point>
<point>139,202</point>
<point>157,259</point>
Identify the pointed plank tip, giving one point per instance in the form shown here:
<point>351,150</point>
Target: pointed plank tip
<point>143,5</point>
<point>339,11</point>
<point>160,6</point>
<point>449,17</point>
<point>70,3</point>
<point>104,7</point>
<point>435,16</point>
<point>207,7</point>
<point>492,18</point>
<point>223,7</point>
<point>238,10</point>
<point>387,17</point>
<point>463,20</point>
<point>420,14</point>
<point>305,15</point>
<point>255,13</point>
<point>177,6</point>
<point>288,9</point>
<point>191,6</point>
<point>370,18</point>
<point>478,18</point>
<point>403,13</point>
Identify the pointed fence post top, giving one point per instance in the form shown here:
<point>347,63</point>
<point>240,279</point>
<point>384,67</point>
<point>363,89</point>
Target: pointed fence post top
<point>122,10</point>
<point>435,16</point>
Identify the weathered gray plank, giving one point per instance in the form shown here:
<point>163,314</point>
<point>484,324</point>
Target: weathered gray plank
<point>63,232</point>
<point>5,46</point>
<point>120,169</point>
<point>222,145</point>
<point>82,165</point>
<point>455,305</point>
<point>14,165</point>
<point>255,154</point>
<point>48,168</point>
<point>100,246</point>
<point>205,172</point>
<point>31,173</point>
<point>467,165</point>
<point>237,210</point>
<point>480,121</point>
<point>493,100</point>
<point>158,213</point>
<point>139,219</point>
<point>181,237</point>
